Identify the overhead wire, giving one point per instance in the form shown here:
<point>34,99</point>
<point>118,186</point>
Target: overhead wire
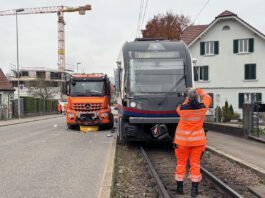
<point>139,17</point>
<point>146,4</point>
<point>201,10</point>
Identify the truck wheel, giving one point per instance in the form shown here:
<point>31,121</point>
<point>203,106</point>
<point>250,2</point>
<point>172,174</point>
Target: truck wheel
<point>70,126</point>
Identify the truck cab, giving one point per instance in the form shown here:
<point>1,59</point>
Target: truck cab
<point>89,98</point>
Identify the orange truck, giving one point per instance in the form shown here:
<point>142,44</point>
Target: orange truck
<point>89,98</point>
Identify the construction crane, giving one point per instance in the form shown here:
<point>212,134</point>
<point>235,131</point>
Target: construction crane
<point>60,10</point>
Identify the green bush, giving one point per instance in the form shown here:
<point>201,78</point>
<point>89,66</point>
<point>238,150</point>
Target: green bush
<point>30,105</point>
<point>228,113</point>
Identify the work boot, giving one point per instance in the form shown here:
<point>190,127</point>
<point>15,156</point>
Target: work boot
<point>180,188</point>
<point>194,189</point>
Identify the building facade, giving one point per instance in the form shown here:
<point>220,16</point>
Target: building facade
<point>229,60</point>
<point>36,77</point>
<point>6,95</point>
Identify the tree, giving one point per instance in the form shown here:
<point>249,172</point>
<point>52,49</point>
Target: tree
<point>167,25</point>
<point>42,89</point>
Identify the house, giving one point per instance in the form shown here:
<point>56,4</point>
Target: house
<point>6,94</point>
<point>229,60</point>
<point>31,77</point>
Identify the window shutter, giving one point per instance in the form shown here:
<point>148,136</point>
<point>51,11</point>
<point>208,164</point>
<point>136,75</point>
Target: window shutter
<point>247,72</point>
<point>235,46</point>
<point>195,72</point>
<point>216,47</point>
<point>240,100</point>
<point>202,44</point>
<point>258,97</point>
<point>211,94</point>
<point>253,71</point>
<point>205,73</point>
<point>251,45</point>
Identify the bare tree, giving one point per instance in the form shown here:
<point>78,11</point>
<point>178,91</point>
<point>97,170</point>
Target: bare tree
<point>42,89</point>
<point>167,25</point>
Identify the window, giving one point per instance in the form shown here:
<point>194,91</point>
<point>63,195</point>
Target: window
<point>0,99</point>
<point>55,76</point>
<point>250,71</point>
<point>244,45</point>
<point>24,73</point>
<point>209,48</point>
<point>201,73</point>
<point>40,74</point>
<point>248,98</point>
<point>226,27</point>
<point>212,95</point>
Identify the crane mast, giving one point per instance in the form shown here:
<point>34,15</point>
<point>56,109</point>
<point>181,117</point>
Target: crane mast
<point>60,10</point>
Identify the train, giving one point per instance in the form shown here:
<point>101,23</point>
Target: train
<point>151,77</point>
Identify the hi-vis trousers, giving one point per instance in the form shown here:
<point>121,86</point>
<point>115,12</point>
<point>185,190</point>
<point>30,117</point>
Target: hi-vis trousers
<point>192,153</point>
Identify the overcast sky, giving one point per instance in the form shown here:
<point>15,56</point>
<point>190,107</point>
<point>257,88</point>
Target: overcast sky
<point>95,39</point>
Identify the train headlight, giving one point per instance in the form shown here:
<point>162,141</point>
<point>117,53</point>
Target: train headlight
<point>133,104</point>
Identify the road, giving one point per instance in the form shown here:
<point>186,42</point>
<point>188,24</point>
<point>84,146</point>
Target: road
<point>44,159</point>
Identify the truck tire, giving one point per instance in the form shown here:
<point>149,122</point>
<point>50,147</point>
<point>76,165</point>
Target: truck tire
<point>70,126</point>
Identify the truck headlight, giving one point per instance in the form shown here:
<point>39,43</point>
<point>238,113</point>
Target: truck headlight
<point>104,115</point>
<point>133,104</point>
<point>71,115</point>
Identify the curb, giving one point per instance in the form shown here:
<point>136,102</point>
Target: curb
<point>105,188</point>
<point>260,171</point>
<point>27,121</point>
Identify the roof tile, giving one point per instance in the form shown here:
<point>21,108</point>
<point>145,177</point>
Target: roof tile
<point>5,85</point>
<point>191,32</point>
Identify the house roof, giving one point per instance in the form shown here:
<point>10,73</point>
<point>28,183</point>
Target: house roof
<point>5,85</point>
<point>193,32</point>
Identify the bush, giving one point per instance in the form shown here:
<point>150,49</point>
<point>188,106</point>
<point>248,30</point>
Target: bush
<point>228,113</point>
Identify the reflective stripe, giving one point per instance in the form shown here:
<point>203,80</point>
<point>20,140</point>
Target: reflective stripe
<point>194,113</point>
<point>179,131</point>
<point>189,139</point>
<point>192,118</point>
<point>195,178</point>
<point>179,177</point>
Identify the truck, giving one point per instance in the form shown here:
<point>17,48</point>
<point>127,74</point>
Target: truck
<point>151,78</point>
<point>89,97</point>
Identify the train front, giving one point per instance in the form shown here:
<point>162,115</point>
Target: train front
<point>154,77</point>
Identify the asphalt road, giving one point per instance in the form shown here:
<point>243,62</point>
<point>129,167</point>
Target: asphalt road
<point>44,159</point>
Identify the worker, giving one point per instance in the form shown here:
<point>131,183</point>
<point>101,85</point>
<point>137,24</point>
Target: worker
<point>59,108</point>
<point>190,140</point>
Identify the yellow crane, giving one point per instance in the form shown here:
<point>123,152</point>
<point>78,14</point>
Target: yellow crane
<point>60,10</point>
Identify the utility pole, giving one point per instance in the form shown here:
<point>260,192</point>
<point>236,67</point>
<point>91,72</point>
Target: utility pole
<point>18,71</point>
<point>77,66</point>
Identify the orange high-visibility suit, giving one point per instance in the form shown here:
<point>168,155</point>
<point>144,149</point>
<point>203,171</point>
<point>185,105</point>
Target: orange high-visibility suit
<point>190,136</point>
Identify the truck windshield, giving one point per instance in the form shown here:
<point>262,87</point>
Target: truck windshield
<point>156,76</point>
<point>87,88</point>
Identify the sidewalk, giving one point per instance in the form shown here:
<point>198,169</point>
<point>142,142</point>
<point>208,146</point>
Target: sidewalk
<point>246,152</point>
<point>25,120</point>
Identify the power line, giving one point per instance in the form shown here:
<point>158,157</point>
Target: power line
<point>139,17</point>
<point>204,6</point>
<point>146,3</point>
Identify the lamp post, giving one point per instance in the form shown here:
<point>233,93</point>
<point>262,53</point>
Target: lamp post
<point>18,94</point>
<point>77,66</point>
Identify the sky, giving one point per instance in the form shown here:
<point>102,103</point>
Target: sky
<point>95,39</point>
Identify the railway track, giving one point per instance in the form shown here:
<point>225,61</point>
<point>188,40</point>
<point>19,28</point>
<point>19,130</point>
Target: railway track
<point>161,163</point>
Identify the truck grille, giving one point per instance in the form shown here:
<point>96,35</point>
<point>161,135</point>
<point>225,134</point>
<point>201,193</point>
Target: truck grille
<point>89,107</point>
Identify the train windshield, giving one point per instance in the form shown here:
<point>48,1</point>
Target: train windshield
<point>160,75</point>
<point>87,88</point>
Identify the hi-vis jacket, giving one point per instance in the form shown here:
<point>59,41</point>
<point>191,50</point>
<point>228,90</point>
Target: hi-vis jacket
<point>190,131</point>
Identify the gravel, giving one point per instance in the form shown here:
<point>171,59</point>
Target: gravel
<point>131,176</point>
<point>233,174</point>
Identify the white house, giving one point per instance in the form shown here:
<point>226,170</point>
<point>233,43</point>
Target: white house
<point>6,94</point>
<point>230,61</point>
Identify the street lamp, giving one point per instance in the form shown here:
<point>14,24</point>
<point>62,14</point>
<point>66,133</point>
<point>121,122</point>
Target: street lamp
<point>77,66</point>
<point>18,95</point>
